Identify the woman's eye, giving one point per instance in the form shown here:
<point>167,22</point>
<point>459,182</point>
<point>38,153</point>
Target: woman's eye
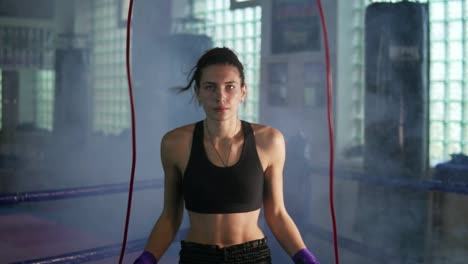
<point>230,87</point>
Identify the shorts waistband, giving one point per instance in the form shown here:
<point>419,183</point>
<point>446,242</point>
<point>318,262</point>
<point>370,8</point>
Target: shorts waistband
<point>243,246</point>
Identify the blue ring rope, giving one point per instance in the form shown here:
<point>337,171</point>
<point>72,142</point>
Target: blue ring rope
<point>422,185</point>
<point>100,253</point>
<point>87,255</point>
<point>15,198</point>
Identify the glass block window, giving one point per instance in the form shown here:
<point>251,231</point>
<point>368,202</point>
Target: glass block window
<point>239,29</point>
<point>110,99</point>
<point>448,76</point>
<point>357,76</point>
<point>45,89</point>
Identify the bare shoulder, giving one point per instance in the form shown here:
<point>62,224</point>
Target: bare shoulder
<point>178,135</point>
<point>176,143</point>
<point>267,137</point>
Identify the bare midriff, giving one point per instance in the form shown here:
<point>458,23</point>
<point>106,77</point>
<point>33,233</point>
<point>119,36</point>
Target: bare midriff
<point>224,229</point>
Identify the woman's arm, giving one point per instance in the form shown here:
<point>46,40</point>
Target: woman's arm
<point>169,221</point>
<point>282,226</point>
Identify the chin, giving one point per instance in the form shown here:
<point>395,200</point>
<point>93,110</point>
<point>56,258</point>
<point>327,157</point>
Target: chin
<point>221,116</point>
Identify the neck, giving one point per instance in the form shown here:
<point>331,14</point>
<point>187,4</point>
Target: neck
<point>225,129</point>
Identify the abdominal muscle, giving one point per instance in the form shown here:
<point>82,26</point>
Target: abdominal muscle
<point>224,229</point>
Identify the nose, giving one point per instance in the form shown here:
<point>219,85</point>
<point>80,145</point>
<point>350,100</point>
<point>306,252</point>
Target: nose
<point>220,95</point>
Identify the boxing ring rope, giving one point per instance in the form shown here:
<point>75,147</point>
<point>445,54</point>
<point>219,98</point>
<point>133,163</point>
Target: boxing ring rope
<point>422,185</point>
<point>68,193</point>
<point>100,253</point>
<point>87,255</point>
<point>112,250</point>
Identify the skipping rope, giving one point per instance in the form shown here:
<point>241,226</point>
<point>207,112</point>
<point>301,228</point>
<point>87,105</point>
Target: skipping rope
<point>330,127</point>
<point>132,112</point>
<point>329,117</point>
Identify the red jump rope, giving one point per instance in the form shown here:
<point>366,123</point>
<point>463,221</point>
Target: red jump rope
<point>330,128</point>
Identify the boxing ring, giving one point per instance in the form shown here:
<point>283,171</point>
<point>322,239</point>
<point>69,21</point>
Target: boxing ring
<point>10,223</point>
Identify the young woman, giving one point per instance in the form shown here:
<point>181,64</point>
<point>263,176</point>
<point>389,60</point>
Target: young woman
<point>223,169</point>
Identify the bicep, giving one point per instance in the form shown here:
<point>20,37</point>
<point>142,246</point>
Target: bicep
<point>173,202</point>
<point>273,195</point>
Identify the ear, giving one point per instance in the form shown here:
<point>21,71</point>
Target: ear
<point>243,92</point>
<point>197,95</point>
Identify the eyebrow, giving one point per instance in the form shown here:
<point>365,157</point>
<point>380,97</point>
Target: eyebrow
<point>208,82</point>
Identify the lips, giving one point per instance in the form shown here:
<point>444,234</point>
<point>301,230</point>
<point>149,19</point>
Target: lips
<point>220,109</point>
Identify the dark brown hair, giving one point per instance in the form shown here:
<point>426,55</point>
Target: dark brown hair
<point>222,56</point>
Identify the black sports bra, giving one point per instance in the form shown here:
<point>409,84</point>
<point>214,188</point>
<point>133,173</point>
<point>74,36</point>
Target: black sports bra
<point>208,188</point>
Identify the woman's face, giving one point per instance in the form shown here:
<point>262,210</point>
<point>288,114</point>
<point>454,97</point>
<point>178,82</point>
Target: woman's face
<point>221,92</point>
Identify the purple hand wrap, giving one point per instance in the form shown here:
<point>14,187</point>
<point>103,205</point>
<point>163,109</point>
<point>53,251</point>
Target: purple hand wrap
<point>146,258</point>
<point>304,256</point>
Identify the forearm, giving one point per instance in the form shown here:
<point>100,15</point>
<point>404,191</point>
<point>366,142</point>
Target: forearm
<point>162,236</point>
<point>286,232</point>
